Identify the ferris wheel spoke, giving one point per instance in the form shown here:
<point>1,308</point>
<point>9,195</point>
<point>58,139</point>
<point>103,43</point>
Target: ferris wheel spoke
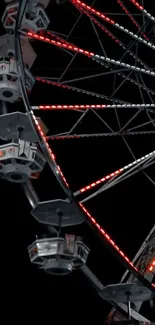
<point>140,167</point>
<point>90,93</point>
<point>102,16</point>
<point>116,180</point>
<point>132,18</point>
<point>65,136</point>
<point>116,40</point>
<point>114,174</point>
<point>98,58</point>
<point>142,98</point>
<point>150,107</point>
<point>76,49</point>
<point>142,9</point>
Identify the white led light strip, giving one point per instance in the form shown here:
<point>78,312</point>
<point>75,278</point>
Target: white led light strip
<point>122,64</point>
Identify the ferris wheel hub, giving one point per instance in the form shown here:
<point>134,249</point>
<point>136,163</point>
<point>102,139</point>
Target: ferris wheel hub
<point>47,213</point>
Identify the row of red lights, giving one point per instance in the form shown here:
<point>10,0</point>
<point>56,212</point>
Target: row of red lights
<point>113,174</point>
<point>63,44</point>
<point>93,106</point>
<point>99,14</point>
<point>98,24</point>
<point>53,83</point>
<point>52,156</point>
<point>102,180</point>
<point>132,18</point>
<point>63,137</point>
<point>63,107</point>
<point>137,4</point>
<point>57,38</point>
<point>107,237</point>
<point>152,266</point>
<point>80,90</point>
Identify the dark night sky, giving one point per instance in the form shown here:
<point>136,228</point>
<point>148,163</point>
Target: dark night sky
<point>125,211</point>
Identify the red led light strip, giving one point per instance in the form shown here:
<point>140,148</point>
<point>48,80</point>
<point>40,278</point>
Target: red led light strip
<point>137,4</point>
<point>132,19</point>
<point>82,5</point>
<point>93,106</point>
<point>109,239</point>
<point>111,175</point>
<point>91,55</point>
<point>57,38</point>
<point>52,155</point>
<point>151,266</point>
<point>63,44</point>
<point>100,181</point>
<point>106,236</point>
<point>90,93</point>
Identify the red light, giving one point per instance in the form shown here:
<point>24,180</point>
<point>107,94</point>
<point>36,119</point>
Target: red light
<point>92,10</point>
<point>151,266</point>
<point>137,4</point>
<point>70,107</point>
<point>52,156</point>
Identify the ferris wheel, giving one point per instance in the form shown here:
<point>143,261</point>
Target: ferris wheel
<point>127,75</point>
